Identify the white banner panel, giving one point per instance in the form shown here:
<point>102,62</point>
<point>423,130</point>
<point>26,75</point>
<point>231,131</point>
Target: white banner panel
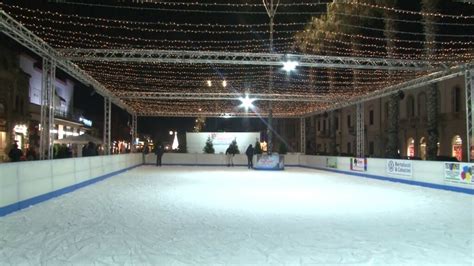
<point>459,173</point>
<point>220,140</point>
<point>399,167</point>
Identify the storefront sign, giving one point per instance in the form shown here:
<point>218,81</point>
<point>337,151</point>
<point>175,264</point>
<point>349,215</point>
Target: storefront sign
<point>399,167</point>
<point>459,173</point>
<point>331,162</point>
<point>270,162</point>
<point>359,164</point>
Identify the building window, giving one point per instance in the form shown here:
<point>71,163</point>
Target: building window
<point>349,121</point>
<point>386,110</point>
<point>349,150</point>
<point>457,148</point>
<point>371,148</point>
<point>319,125</point>
<point>422,150</point>
<point>457,99</point>
<point>371,117</point>
<point>411,147</point>
<point>336,121</point>
<point>324,125</point>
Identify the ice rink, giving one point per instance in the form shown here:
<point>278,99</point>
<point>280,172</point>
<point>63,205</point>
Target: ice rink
<point>203,215</point>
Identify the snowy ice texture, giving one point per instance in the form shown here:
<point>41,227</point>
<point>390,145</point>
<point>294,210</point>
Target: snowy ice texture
<point>204,215</point>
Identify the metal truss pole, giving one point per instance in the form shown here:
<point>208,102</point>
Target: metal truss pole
<point>134,132</point>
<point>303,135</point>
<point>107,125</point>
<point>47,109</point>
<point>360,130</point>
<point>469,104</point>
<point>271,11</point>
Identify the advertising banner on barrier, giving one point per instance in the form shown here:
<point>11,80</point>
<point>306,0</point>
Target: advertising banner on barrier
<point>459,173</point>
<point>359,164</point>
<point>270,162</point>
<point>399,167</point>
<point>331,162</point>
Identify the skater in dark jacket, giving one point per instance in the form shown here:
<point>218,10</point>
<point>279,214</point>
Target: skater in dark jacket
<point>159,154</point>
<point>249,152</point>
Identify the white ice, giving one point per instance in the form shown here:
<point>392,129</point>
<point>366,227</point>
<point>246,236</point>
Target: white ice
<point>210,215</point>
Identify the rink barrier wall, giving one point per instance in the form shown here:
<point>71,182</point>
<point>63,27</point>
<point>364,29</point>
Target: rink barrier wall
<point>424,173</point>
<point>23,184</point>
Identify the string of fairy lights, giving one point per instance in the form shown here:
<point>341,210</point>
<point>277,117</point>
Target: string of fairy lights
<point>57,25</point>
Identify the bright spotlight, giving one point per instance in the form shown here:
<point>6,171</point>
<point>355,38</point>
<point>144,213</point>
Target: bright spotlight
<point>209,83</point>
<point>246,102</point>
<point>224,83</point>
<point>289,66</point>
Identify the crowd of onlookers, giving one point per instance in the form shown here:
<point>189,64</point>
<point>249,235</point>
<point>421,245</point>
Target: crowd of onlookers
<point>60,151</point>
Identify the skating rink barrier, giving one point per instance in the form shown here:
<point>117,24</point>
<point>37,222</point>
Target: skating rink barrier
<point>26,183</point>
<point>423,173</point>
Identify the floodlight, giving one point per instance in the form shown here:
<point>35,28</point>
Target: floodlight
<point>289,66</point>
<point>246,102</point>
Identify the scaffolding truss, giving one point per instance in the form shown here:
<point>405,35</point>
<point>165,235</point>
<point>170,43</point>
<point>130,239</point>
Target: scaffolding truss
<point>229,58</point>
<point>303,135</point>
<point>47,110</point>
<point>134,132</point>
<point>28,39</point>
<point>107,125</point>
<point>360,132</point>
<point>469,117</point>
<point>221,96</point>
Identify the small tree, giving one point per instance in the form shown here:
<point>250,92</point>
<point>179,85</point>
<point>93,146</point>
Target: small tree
<point>209,148</point>
<point>258,149</point>
<point>234,148</point>
<point>282,149</point>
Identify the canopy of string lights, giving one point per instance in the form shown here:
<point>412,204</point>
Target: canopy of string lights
<point>198,58</point>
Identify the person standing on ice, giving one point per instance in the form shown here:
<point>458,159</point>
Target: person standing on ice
<point>229,156</point>
<point>249,152</point>
<point>159,154</point>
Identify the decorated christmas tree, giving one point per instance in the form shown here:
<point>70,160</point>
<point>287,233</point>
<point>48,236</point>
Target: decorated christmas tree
<point>209,148</point>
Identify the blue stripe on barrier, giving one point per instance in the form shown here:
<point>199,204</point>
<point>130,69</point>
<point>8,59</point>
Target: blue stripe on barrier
<point>404,181</point>
<point>35,200</point>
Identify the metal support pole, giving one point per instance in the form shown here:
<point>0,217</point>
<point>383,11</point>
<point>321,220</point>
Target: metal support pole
<point>107,125</point>
<point>360,131</point>
<point>271,11</point>
<point>47,109</point>
<point>134,132</point>
<point>469,104</point>
<point>303,135</point>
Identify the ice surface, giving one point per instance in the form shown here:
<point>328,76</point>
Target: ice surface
<point>207,215</point>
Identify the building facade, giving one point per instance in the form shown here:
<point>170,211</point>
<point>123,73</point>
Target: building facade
<point>412,123</point>
<point>20,104</point>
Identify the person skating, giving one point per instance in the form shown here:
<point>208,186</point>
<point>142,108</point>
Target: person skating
<point>159,154</point>
<point>229,153</point>
<point>249,152</point>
